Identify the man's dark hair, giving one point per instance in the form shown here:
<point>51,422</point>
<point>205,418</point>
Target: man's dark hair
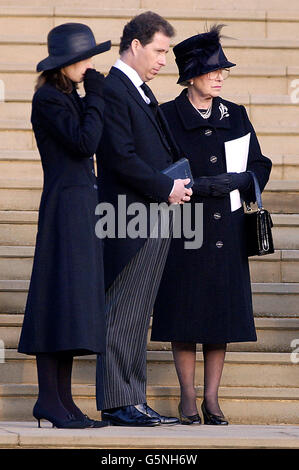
<point>143,27</point>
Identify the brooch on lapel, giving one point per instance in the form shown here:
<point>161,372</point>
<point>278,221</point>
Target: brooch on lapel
<point>223,110</point>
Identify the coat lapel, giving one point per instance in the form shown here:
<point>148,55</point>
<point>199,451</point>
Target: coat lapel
<point>140,101</point>
<point>74,102</point>
<point>191,119</point>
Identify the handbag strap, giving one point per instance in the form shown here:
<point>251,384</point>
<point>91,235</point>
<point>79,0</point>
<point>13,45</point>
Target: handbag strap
<point>257,190</point>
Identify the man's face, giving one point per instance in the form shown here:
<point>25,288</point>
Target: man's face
<point>150,58</point>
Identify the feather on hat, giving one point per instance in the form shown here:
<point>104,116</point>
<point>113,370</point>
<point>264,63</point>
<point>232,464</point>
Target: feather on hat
<point>200,54</point>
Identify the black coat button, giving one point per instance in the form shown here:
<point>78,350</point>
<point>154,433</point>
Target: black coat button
<point>217,216</point>
<point>208,132</point>
<point>95,186</point>
<point>213,159</point>
<point>92,171</point>
<point>219,244</point>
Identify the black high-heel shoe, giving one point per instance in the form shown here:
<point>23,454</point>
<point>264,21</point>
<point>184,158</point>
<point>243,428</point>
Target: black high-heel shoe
<point>69,423</point>
<point>194,419</point>
<point>210,418</point>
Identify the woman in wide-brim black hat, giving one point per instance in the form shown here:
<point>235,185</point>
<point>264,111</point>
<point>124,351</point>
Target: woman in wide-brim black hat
<point>65,309</point>
<point>210,294</point>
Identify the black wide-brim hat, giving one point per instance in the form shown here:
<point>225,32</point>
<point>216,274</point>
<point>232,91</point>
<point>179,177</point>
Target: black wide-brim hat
<point>69,43</point>
<point>200,54</point>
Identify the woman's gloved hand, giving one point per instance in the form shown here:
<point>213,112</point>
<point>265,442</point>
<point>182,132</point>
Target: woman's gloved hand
<point>221,185</point>
<point>215,186</point>
<point>93,82</point>
<point>241,181</point>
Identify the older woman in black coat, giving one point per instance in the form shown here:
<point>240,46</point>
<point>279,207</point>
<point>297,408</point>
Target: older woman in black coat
<point>65,310</point>
<point>205,293</point>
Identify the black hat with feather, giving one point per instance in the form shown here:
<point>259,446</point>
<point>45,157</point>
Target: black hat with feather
<point>200,54</point>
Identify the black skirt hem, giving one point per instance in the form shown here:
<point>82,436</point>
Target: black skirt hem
<point>208,341</point>
<point>70,352</point>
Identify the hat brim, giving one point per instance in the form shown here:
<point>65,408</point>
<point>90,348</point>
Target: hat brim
<point>224,65</point>
<point>51,63</point>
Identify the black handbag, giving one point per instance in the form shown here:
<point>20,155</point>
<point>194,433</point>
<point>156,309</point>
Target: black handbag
<point>258,225</point>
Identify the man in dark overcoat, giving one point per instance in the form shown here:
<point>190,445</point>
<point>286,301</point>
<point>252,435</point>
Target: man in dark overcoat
<point>136,146</point>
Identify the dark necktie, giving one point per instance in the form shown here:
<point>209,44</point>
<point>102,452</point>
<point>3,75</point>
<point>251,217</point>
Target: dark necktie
<point>157,114</point>
<point>153,102</point>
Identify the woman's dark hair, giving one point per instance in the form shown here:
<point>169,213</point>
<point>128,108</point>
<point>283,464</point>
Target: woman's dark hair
<point>143,27</point>
<point>55,78</point>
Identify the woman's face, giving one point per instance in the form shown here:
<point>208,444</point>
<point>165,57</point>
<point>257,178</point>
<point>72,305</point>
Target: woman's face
<point>208,85</point>
<point>75,72</point>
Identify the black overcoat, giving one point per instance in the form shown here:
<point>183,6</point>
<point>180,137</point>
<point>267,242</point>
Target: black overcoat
<point>65,304</point>
<point>132,152</point>
<point>205,293</point>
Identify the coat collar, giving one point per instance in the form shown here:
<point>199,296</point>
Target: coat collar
<point>76,101</point>
<point>139,100</point>
<point>191,119</point>
<point>134,92</point>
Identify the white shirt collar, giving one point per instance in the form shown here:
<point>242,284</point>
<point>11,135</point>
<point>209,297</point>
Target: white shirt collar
<point>133,76</point>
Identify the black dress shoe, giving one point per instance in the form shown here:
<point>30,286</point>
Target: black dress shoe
<point>210,418</point>
<point>128,416</point>
<point>70,422</point>
<point>93,423</point>
<point>146,410</point>
<point>184,419</point>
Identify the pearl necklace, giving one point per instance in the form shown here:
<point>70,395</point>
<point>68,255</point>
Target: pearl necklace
<point>204,114</point>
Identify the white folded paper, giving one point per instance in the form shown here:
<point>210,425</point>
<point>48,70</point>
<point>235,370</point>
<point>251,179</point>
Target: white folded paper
<point>236,154</point>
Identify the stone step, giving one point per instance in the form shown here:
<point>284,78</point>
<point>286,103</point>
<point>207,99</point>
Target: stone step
<point>269,299</point>
<point>18,227</point>
<point>258,23</point>
<point>17,135</point>
<point>16,162</point>
<point>285,231</point>
<point>131,441</point>
<point>22,184</point>
<point>274,335</point>
<point>241,405</point>
<point>264,110</point>
<point>281,266</point>
<point>242,369</point>
<point>21,49</point>
<point>19,80</point>
<point>284,167</point>
<point>21,169</point>
<point>274,6</point>
<point>281,196</point>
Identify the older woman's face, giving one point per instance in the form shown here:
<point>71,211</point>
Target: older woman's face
<point>206,86</point>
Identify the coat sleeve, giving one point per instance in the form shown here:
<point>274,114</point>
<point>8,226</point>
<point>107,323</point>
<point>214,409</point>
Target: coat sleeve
<point>257,162</point>
<point>80,136</point>
<point>118,145</point>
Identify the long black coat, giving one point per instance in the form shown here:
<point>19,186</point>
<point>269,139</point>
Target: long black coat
<point>205,293</point>
<point>131,155</point>
<point>65,305</point>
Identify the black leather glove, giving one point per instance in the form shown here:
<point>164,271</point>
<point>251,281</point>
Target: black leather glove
<point>202,186</point>
<point>241,181</point>
<point>220,185</point>
<point>93,82</point>
<point>215,186</point>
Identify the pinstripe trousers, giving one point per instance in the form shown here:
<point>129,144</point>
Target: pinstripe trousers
<point>121,371</point>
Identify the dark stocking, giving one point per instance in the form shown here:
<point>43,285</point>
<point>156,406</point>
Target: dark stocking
<point>65,387</point>
<point>48,394</point>
<point>214,355</point>
<point>184,355</point>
